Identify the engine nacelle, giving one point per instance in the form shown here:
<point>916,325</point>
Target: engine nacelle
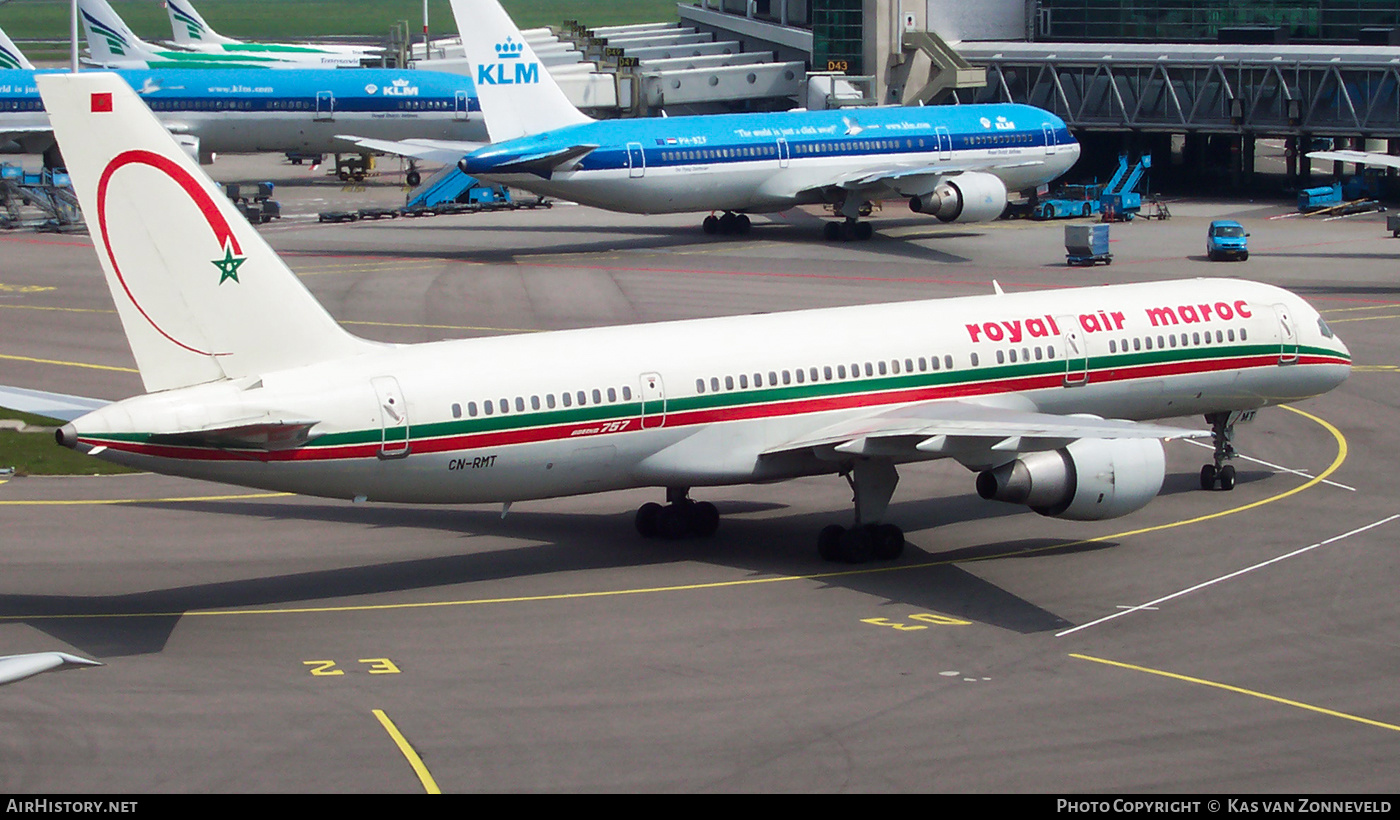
<point>970,197</point>
<point>190,144</point>
<point>1090,480</point>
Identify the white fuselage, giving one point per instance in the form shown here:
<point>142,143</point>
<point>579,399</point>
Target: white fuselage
<point>712,401</point>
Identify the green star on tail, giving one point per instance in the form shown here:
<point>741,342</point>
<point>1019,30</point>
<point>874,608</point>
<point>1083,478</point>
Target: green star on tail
<point>228,266</point>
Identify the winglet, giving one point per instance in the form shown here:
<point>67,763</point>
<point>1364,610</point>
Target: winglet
<point>200,295</point>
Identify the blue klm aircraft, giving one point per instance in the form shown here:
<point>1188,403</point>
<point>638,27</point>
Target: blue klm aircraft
<point>956,163</point>
<point>252,110</point>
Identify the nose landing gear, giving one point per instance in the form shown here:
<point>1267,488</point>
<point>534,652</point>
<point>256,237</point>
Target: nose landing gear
<point>1222,433</point>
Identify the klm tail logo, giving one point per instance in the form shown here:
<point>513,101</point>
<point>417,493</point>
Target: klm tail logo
<point>509,54</point>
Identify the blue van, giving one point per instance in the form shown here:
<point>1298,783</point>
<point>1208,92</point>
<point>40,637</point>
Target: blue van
<point>1227,239</point>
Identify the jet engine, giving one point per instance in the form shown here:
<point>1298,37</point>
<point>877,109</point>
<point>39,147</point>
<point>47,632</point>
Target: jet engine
<point>190,143</point>
<point>970,197</point>
<point>1090,480</point>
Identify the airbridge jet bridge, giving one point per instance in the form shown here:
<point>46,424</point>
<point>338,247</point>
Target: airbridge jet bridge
<point>1238,92</point>
<point>645,68</point>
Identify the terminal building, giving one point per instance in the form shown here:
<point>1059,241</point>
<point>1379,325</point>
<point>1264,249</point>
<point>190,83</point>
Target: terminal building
<point>1197,83</point>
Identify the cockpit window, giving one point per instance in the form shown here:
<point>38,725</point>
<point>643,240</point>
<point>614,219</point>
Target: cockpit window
<point>1322,326</point>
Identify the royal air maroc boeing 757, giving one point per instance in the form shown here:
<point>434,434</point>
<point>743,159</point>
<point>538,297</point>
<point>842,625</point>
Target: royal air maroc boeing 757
<point>1049,397</point>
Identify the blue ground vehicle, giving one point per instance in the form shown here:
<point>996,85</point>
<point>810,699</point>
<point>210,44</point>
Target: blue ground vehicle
<point>1227,239</point>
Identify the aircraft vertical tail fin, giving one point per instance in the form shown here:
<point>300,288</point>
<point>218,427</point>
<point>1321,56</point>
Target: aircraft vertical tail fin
<point>189,28</point>
<point>518,96</point>
<point>109,39</point>
<point>200,295</point>
<point>10,56</point>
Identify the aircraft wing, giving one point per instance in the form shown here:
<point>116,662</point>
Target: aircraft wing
<point>1363,157</point>
<point>446,152</point>
<point>965,430</point>
<point>912,180</point>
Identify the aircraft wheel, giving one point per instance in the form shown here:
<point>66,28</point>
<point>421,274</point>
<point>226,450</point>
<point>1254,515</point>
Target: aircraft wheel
<point>648,520</point>
<point>888,540</point>
<point>832,231</point>
<point>1227,477</point>
<point>711,224</point>
<point>412,179</point>
<point>857,545</point>
<point>703,518</point>
<point>672,522</point>
<point>1208,477</point>
<point>742,223</point>
<point>864,230</point>
<point>829,542</point>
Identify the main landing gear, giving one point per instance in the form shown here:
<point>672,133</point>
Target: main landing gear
<point>851,227</point>
<point>680,517</point>
<point>1222,433</point>
<point>872,481</point>
<point>848,229</point>
<point>729,223</point>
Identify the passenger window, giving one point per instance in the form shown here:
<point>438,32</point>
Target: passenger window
<point>974,359</point>
<point>699,385</point>
<point>612,394</point>
<point>582,398</point>
<point>519,404</point>
<point>728,382</point>
<point>787,377</point>
<point>743,381</point>
<point>471,409</point>
<point>826,372</point>
<point>490,408</point>
<point>456,411</point>
<point>714,384</point>
<point>568,400</point>
<point>626,393</point>
<point>534,402</point>
<point>549,401</point>
<point>597,396</point>
<point>948,361</point>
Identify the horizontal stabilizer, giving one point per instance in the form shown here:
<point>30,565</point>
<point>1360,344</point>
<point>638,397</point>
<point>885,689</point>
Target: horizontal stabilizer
<point>59,406</point>
<point>443,151</point>
<point>545,163</point>
<point>269,434</point>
